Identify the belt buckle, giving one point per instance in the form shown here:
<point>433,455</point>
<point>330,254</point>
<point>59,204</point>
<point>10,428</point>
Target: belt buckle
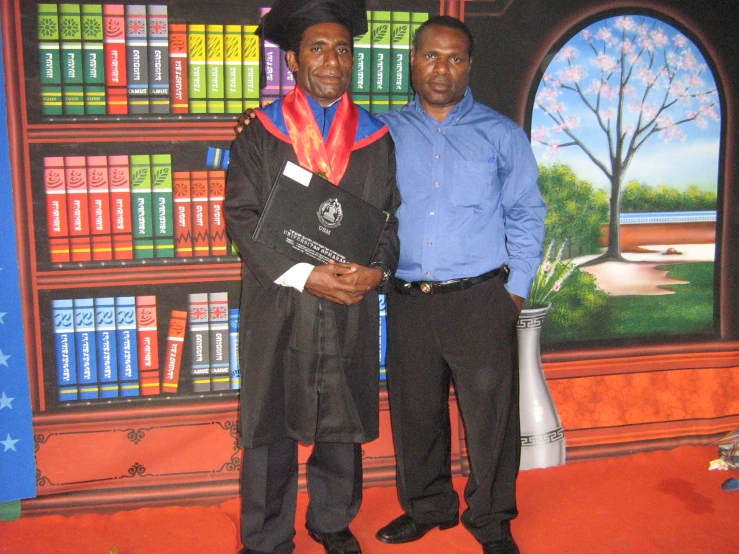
<point>426,287</point>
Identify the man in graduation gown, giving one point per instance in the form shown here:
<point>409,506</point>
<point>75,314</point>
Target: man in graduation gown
<point>309,334</point>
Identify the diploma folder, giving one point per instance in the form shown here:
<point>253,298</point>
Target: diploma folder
<point>311,220</point>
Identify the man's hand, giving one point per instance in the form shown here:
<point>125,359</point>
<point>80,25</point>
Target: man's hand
<point>342,283</point>
<point>518,301</point>
<point>245,119</point>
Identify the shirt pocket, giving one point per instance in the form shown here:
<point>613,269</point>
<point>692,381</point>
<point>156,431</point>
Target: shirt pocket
<point>473,184</point>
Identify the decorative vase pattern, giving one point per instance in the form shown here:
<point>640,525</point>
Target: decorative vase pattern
<point>542,436</point>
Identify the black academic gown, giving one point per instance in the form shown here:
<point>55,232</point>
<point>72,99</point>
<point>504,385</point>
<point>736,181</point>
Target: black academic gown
<point>309,367</point>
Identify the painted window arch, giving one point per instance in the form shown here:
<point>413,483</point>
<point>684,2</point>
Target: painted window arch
<point>626,127</point>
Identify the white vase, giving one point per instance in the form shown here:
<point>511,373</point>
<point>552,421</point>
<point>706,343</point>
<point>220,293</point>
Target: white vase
<point>542,436</point>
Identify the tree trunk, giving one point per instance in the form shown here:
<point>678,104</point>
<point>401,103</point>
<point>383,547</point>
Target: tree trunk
<point>613,251</point>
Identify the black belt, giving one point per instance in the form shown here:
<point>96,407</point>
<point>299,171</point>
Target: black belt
<point>453,285</point>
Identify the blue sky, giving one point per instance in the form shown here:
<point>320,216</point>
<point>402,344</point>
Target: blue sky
<point>691,154</point>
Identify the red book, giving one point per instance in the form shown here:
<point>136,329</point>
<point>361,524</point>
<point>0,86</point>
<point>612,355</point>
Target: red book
<point>119,182</point>
<point>173,358</point>
<point>57,226</point>
<point>78,209</point>
<point>216,223</point>
<point>99,205</point>
<point>178,68</point>
<point>114,46</point>
<point>199,196</point>
<point>148,344</point>
<point>182,215</point>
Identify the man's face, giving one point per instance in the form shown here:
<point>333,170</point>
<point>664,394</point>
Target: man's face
<point>323,64</point>
<point>440,67</point>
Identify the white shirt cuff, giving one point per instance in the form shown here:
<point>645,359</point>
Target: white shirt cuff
<point>296,276</point>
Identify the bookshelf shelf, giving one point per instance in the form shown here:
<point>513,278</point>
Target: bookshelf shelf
<point>186,129</point>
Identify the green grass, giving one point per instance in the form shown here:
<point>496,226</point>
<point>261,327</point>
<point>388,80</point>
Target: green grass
<point>687,312</point>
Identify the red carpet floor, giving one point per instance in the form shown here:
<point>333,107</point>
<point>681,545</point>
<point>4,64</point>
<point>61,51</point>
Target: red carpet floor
<point>659,502</point>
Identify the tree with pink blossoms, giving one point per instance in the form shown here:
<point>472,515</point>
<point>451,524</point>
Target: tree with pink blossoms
<point>631,79</point>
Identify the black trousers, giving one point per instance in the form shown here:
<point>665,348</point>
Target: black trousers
<point>468,336</point>
<point>269,491</point>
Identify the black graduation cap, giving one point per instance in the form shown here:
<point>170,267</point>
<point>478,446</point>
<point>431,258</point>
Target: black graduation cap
<point>285,23</point>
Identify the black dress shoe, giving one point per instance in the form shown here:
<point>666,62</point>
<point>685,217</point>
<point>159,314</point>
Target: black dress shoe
<point>505,545</point>
<point>406,529</point>
<point>343,542</point>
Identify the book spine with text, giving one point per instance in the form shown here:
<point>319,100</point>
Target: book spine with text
<point>64,340</point>
<point>199,198</point>
<point>143,231</point>
<point>148,341</point>
<point>158,36</point>
<point>182,215</point>
<point>127,346</point>
<point>105,335</point>
<point>197,80</point>
<point>85,346</point>
<point>161,188</point>
<point>233,343</point>
<point>57,225</point>
<point>417,19</point>
<point>220,370</point>
<point>119,182</point>
<point>50,59</point>
<point>173,356</point>
<point>93,59</point>
<point>178,68</point>
<point>232,66</point>
<point>137,59</point>
<point>70,35</point>
<point>250,65</point>
<point>217,222</point>
<point>114,46</point>
<point>400,56</point>
<point>361,76</point>
<point>214,69</point>
<point>200,345</point>
<point>272,64</point>
<point>75,174</point>
<point>99,206</point>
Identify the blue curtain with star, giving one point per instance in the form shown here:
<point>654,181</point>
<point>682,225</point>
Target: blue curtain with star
<point>17,461</point>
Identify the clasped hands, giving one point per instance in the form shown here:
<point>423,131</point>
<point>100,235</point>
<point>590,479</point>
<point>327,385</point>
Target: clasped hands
<point>343,283</point>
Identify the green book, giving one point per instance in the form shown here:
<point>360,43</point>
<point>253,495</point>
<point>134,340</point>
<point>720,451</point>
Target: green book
<point>93,60</point>
<point>141,193</point>
<point>70,35</point>
<point>162,205</point>
<point>362,61</point>
<point>196,68</point>
<point>417,19</point>
<point>380,103</point>
<point>380,29</point>
<point>400,55</point>
<point>250,65</point>
<point>233,69</point>
<point>49,54</point>
<point>214,66</point>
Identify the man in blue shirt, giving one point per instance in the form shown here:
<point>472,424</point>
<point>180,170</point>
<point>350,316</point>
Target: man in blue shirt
<point>471,227</point>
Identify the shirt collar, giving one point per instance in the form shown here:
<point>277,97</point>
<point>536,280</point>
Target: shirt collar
<point>454,115</point>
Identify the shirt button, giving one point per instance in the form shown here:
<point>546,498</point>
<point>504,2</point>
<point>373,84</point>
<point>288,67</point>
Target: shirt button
<point>440,129</point>
<point>432,213</point>
<point>430,243</point>
<point>428,274</point>
<point>436,184</point>
<point>438,156</point>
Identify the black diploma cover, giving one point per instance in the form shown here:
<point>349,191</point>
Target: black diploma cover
<point>311,220</point>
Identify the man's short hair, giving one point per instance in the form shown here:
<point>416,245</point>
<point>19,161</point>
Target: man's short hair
<point>450,23</point>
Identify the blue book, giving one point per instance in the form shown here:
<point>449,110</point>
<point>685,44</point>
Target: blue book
<point>127,345</point>
<point>383,334</point>
<point>233,343</point>
<point>106,347</point>
<point>218,327</point>
<point>197,310</point>
<point>84,335</point>
<point>66,361</point>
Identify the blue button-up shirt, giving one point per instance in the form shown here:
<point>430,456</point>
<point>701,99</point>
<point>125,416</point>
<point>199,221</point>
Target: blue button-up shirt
<point>471,202</point>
